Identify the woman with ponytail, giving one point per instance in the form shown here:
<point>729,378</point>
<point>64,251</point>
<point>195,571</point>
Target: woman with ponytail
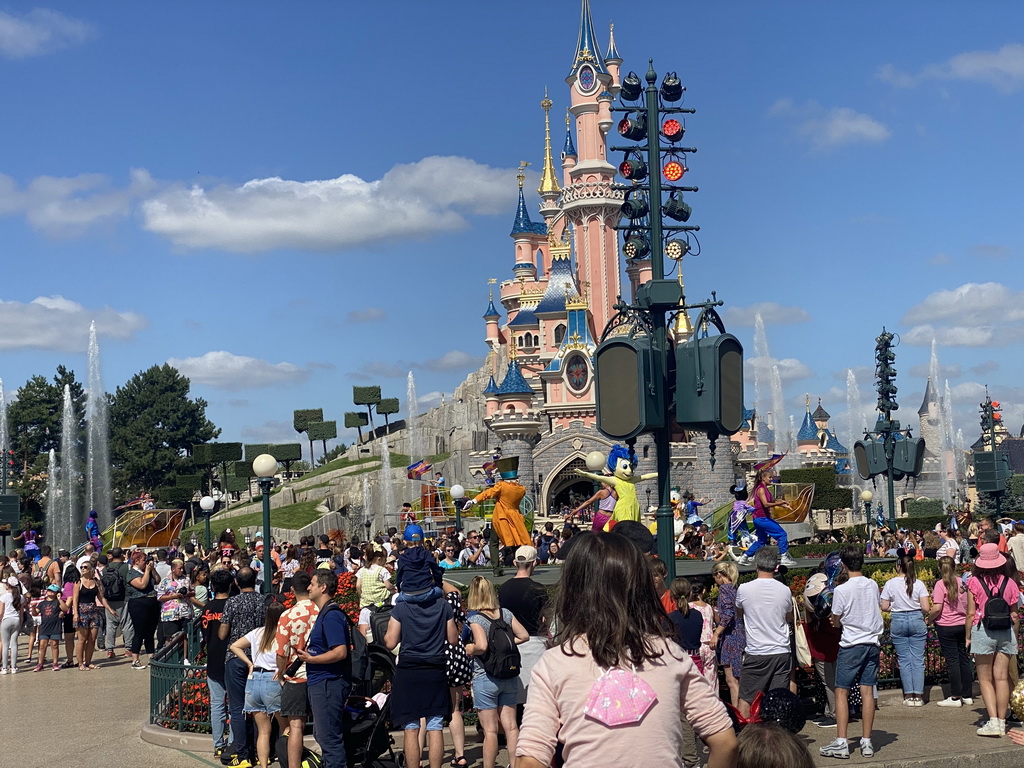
<point>907,597</point>
<point>949,612</point>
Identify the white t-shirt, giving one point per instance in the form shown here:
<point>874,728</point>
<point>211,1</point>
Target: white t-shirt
<point>267,659</point>
<point>765,603</point>
<point>895,591</point>
<point>856,605</point>
<point>7,602</point>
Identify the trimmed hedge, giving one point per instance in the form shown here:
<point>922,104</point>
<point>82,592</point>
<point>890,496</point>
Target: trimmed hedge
<point>236,484</point>
<point>206,454</point>
<point>356,419</point>
<point>826,494</point>
<point>363,396</point>
<point>388,406</point>
<point>173,494</point>
<point>925,508</point>
<point>322,430</point>
<point>242,469</point>
<point>280,451</point>
<point>195,482</point>
<point>304,417</point>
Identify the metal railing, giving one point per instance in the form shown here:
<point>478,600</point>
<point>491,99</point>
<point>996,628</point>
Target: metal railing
<point>179,698</point>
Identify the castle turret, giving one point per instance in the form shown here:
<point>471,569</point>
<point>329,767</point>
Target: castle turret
<point>820,416</point>
<point>568,151</point>
<point>808,434</point>
<point>514,419</point>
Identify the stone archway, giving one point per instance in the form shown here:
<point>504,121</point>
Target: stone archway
<point>558,485</point>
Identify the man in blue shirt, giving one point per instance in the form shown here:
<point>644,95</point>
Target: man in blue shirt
<point>327,667</point>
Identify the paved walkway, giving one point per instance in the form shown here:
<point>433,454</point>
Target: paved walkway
<point>78,719</point>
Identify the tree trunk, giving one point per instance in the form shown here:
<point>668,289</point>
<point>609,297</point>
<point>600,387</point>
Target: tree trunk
<point>369,410</point>
<point>387,424</point>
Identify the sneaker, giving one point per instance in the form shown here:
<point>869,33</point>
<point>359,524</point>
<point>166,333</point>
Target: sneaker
<point>742,560</point>
<point>838,748</point>
<point>39,668</point>
<point>866,748</point>
<point>55,667</point>
<point>992,728</point>
<point>917,702</point>
<point>110,654</point>
<point>13,670</point>
<point>3,671</point>
<point>787,561</point>
<point>218,751</point>
<point>138,665</point>
<point>235,761</point>
<point>950,702</point>
<point>967,701</point>
<point>825,722</point>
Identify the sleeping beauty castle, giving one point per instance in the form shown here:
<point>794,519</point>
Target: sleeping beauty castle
<point>534,397</point>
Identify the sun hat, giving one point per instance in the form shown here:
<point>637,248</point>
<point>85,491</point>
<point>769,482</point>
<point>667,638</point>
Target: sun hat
<point>989,557</point>
<point>526,554</point>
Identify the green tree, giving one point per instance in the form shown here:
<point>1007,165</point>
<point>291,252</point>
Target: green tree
<point>153,426</point>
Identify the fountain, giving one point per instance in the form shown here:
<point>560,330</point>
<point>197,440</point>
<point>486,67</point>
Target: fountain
<point>960,466</point>
<point>942,429</point>
<point>416,450</point>
<point>768,388</point>
<point>69,516</point>
<point>368,508</point>
<point>52,496</point>
<point>4,442</point>
<point>387,492</point>
<point>97,438</point>
<point>855,427</point>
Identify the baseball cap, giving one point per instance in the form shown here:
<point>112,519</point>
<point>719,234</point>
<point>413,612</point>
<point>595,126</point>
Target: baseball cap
<point>413,533</point>
<point>526,554</point>
<point>53,588</point>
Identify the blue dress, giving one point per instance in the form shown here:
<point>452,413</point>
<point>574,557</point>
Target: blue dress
<point>733,640</point>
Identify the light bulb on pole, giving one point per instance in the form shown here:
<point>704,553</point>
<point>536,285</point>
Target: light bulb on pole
<point>458,494</point>
<point>264,467</point>
<point>207,504</point>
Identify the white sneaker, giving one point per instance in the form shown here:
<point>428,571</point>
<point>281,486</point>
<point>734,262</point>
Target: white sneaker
<point>838,748</point>
<point>787,561</point>
<point>992,728</point>
<point>866,748</point>
<point>742,560</point>
<point>950,702</point>
<point>13,670</point>
<point>3,671</point>
<point>967,702</point>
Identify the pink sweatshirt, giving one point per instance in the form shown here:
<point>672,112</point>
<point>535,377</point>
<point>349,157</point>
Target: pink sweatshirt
<point>560,685</point>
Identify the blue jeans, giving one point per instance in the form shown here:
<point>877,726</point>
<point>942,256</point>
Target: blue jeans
<point>765,527</point>
<point>235,673</point>
<point>218,712</point>
<point>327,703</point>
<point>908,634</point>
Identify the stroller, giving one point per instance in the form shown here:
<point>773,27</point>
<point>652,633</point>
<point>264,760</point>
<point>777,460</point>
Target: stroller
<point>368,742</point>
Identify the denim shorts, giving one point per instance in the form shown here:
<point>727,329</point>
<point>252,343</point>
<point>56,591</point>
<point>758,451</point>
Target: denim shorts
<point>262,693</point>
<point>491,693</point>
<point>985,642</point>
<point>857,661</point>
<point>433,724</point>
<point>57,636</point>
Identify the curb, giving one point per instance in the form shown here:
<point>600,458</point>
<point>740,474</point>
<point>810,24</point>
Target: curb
<point>1002,757</point>
<point>191,742</point>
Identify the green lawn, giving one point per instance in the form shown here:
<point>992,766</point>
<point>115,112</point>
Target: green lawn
<point>293,517</point>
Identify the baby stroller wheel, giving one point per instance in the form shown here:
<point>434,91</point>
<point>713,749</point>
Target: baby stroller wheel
<point>400,760</point>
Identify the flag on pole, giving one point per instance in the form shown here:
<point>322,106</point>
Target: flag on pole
<point>769,463</point>
<point>417,470</point>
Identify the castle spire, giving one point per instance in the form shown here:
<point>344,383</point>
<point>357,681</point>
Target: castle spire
<point>682,327</point>
<point>569,150</point>
<point>586,45</point>
<point>548,181</point>
<point>613,52</point>
<point>523,224</point>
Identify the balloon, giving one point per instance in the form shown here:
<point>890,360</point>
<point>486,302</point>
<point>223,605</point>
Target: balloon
<point>1017,700</point>
<point>782,706</point>
<point>595,461</point>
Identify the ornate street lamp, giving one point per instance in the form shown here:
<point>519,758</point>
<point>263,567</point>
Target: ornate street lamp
<point>207,504</point>
<point>866,496</point>
<point>264,467</point>
<point>458,494</point>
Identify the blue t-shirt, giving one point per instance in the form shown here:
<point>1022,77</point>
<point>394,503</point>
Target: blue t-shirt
<point>330,631</point>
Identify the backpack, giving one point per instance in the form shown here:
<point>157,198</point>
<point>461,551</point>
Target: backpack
<point>997,610</point>
<point>310,759</point>
<point>379,618</point>
<point>113,583</point>
<point>502,659</point>
<point>358,652</point>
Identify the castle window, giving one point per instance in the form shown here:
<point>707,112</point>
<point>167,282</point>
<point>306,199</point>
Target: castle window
<point>559,333</point>
<point>577,372</point>
<point>647,451</point>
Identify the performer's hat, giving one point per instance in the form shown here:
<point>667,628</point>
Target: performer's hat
<point>508,467</point>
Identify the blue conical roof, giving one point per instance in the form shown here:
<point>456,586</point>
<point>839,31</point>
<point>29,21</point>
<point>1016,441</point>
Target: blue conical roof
<point>587,50</point>
<point>492,311</point>
<point>569,150</point>
<point>514,382</point>
<point>833,443</point>
<point>491,388</point>
<point>560,280</point>
<point>808,430</point>
<point>613,52</point>
<point>522,224</point>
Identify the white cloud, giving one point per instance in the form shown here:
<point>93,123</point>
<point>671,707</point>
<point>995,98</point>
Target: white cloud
<point>973,314</point>
<point>413,200</point>
<point>940,259</point>
<point>1003,69</point>
<point>59,324</point>
<point>40,31</point>
<point>968,391</point>
<point>224,370</point>
<point>368,315</point>
<point>451,361</point>
<point>771,312</point>
<point>827,128</point>
<point>67,206</point>
<point>431,400</point>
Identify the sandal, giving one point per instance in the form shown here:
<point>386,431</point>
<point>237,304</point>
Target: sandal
<point>459,761</point>
<point>91,666</point>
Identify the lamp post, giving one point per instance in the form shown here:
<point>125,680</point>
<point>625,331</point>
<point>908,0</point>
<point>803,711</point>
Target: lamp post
<point>458,494</point>
<point>866,496</point>
<point>264,467</point>
<point>206,504</point>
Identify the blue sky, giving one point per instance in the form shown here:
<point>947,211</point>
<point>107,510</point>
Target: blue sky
<point>286,200</point>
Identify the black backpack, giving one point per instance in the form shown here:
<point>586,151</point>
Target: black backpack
<point>358,652</point>
<point>502,659</point>
<point>997,610</point>
<point>113,582</point>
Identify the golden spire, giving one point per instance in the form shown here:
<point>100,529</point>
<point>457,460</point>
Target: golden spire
<point>490,287</point>
<point>548,181</point>
<point>807,401</point>
<point>682,327</point>
<point>511,347</point>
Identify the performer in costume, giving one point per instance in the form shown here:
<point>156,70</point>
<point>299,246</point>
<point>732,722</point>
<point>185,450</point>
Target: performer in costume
<point>506,519</point>
<point>740,508</point>
<point>31,547</point>
<point>622,467</point>
<point>92,531</point>
<point>606,499</point>
<point>764,526</point>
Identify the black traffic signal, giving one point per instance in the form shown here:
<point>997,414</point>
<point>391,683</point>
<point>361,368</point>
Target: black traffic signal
<point>709,384</point>
<point>629,383</point>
